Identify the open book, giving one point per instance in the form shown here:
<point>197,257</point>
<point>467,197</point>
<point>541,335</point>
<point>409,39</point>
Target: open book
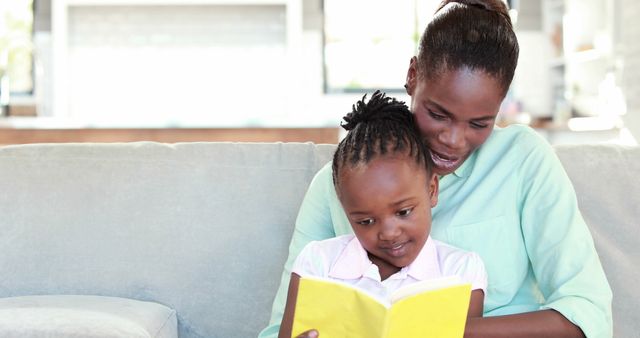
<point>430,308</point>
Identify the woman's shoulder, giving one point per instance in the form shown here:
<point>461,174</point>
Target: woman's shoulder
<point>325,172</point>
<point>514,142</point>
<point>516,133</point>
<point>322,182</point>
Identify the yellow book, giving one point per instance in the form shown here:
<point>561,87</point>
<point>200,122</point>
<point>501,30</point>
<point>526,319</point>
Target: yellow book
<point>431,308</point>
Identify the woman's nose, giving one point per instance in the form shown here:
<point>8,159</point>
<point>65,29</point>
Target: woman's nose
<point>453,138</point>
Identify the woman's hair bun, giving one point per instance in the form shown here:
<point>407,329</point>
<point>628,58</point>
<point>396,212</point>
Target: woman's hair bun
<point>489,5</point>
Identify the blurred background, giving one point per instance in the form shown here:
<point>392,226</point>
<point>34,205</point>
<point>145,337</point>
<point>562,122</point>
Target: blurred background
<point>288,70</point>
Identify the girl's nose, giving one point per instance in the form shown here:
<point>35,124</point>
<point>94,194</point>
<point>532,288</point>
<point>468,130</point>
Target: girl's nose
<point>389,231</point>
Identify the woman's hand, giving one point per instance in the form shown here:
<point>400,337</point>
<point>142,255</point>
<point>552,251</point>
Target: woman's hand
<point>309,334</point>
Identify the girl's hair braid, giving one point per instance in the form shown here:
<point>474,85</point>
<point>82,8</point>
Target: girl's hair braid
<point>375,128</point>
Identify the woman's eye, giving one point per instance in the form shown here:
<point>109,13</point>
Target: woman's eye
<point>367,221</point>
<point>436,116</point>
<point>477,125</point>
<point>405,212</point>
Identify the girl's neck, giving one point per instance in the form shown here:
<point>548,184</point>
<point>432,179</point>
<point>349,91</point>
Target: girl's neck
<point>385,269</point>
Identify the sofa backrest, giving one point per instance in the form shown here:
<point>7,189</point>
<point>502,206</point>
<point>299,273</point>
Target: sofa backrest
<point>204,227</point>
<point>606,181</point>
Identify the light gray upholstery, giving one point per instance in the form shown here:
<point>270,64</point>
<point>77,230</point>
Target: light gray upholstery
<point>607,183</point>
<point>67,316</point>
<point>203,228</point>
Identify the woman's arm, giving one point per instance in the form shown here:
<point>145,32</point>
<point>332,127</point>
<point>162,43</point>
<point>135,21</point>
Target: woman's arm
<point>562,255</point>
<point>476,304</point>
<point>545,323</point>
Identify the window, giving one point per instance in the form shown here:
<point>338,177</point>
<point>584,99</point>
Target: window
<point>16,59</point>
<point>368,43</point>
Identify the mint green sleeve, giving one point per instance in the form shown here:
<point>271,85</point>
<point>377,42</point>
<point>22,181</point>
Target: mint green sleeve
<point>314,223</point>
<point>560,246</point>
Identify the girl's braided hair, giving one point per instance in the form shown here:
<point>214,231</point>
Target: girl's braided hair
<point>375,128</point>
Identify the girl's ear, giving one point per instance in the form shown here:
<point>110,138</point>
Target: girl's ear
<point>412,76</point>
<point>433,189</point>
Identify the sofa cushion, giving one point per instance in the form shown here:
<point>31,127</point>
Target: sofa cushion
<point>84,316</point>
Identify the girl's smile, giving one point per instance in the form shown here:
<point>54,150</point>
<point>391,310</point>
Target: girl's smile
<point>397,250</point>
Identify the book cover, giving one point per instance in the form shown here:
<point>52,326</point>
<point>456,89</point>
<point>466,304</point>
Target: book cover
<point>431,308</point>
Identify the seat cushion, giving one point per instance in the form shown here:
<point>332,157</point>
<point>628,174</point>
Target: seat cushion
<point>84,316</point>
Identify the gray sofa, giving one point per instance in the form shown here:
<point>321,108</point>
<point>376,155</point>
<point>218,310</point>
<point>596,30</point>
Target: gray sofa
<point>203,228</point>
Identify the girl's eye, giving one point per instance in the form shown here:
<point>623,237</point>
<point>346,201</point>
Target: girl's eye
<point>404,212</point>
<point>367,221</point>
<point>436,116</point>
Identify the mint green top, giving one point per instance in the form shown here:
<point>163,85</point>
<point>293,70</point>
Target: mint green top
<point>513,204</point>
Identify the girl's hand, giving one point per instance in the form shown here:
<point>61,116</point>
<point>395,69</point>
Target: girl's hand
<point>309,334</point>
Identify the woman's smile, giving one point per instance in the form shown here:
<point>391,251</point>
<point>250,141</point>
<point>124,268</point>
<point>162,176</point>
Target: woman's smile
<point>445,163</point>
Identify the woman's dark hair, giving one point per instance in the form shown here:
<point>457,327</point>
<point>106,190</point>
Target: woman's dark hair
<point>378,127</point>
<point>477,34</point>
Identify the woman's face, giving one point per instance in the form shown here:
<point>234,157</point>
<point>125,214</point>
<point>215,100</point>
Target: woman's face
<point>455,113</point>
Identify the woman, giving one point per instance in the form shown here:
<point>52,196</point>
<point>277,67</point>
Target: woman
<point>503,192</point>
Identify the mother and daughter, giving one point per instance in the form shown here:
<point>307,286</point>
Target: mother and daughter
<point>503,194</point>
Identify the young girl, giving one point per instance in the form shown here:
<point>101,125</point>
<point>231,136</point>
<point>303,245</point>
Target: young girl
<point>383,177</point>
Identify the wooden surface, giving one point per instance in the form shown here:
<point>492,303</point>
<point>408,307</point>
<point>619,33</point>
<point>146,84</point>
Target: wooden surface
<point>22,136</point>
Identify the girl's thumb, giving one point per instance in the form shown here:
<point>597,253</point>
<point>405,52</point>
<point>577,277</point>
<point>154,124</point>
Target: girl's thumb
<point>313,334</point>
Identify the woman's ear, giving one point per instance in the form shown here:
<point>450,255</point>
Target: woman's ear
<point>412,76</point>
<point>433,189</point>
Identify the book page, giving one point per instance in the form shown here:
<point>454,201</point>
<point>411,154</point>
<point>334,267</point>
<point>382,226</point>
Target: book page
<point>337,310</point>
<point>425,285</point>
<point>440,313</point>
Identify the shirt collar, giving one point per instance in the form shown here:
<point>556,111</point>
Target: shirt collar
<point>464,170</point>
<point>467,166</point>
<point>353,262</point>
<point>426,265</point>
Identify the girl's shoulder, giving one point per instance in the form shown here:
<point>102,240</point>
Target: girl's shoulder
<point>334,244</point>
<point>465,264</point>
<point>318,257</point>
<point>328,249</point>
<point>453,257</point>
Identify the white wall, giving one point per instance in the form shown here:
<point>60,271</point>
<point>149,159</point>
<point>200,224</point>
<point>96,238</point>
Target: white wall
<point>628,12</point>
<point>531,82</point>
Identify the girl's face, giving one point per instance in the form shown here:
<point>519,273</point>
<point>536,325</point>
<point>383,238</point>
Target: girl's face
<point>455,113</point>
<point>388,203</point>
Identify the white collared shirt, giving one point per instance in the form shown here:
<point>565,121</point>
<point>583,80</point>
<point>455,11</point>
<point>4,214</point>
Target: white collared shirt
<point>344,259</point>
